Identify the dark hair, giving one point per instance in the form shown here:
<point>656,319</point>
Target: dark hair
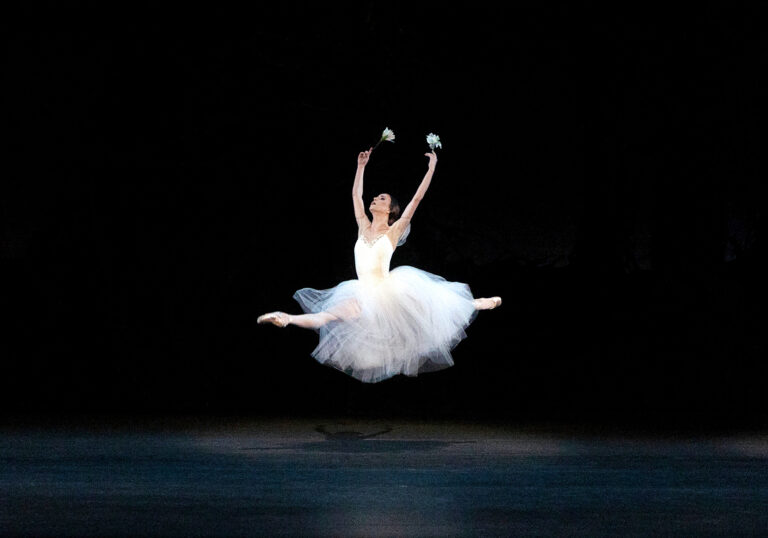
<point>394,209</point>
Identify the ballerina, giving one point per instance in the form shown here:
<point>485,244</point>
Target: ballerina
<point>405,321</point>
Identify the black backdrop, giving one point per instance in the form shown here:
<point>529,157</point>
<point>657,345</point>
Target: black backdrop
<point>175,173</point>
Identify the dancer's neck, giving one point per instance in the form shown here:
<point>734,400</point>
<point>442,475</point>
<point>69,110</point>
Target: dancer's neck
<point>380,222</point>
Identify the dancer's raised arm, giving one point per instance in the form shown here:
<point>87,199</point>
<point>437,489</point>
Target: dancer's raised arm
<point>357,189</point>
<point>405,218</point>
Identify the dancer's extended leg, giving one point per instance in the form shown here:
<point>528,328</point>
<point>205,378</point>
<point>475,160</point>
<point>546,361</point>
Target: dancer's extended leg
<point>306,321</point>
<point>347,310</point>
<point>311,321</point>
<point>487,303</point>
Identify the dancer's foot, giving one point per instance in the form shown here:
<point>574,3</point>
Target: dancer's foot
<point>485,303</point>
<point>280,319</point>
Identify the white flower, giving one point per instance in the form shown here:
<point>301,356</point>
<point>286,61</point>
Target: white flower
<point>386,136</point>
<point>434,141</point>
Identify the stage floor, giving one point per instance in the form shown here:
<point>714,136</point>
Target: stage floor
<point>373,478</point>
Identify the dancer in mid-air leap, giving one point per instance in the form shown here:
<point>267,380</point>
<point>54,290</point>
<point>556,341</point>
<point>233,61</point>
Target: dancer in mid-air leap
<point>404,321</point>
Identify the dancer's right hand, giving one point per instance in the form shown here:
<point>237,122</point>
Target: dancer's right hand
<point>362,159</point>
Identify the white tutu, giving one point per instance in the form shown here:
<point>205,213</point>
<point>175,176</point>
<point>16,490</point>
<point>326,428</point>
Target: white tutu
<point>404,321</point>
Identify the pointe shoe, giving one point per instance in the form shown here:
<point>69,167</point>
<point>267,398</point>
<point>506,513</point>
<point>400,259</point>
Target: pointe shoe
<point>280,319</point>
<point>496,302</point>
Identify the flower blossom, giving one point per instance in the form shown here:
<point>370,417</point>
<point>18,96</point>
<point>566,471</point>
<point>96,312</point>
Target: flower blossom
<point>434,141</point>
<point>387,135</point>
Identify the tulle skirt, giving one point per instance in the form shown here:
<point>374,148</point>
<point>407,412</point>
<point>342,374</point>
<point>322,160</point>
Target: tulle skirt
<point>405,323</point>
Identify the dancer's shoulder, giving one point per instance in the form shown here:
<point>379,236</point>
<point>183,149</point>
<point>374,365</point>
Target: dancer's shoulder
<point>398,227</point>
<point>362,225</point>
<point>399,231</point>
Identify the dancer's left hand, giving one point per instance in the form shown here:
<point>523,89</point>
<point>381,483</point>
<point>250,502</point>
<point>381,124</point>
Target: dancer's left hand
<point>432,158</point>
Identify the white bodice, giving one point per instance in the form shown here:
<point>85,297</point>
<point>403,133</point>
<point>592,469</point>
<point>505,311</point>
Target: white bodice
<point>372,259</point>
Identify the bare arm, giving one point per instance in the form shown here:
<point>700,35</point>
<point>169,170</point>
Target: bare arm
<point>407,215</point>
<point>357,189</point>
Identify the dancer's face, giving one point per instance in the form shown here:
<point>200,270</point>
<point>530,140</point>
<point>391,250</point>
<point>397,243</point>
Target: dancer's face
<point>381,203</point>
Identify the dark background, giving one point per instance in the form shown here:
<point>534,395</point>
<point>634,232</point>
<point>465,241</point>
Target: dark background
<point>175,173</point>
